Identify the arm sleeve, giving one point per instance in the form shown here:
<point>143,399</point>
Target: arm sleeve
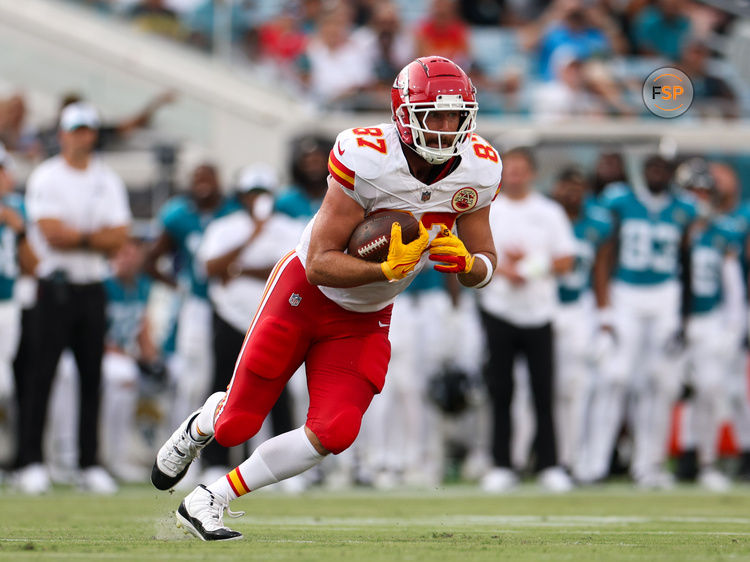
<point>342,165</point>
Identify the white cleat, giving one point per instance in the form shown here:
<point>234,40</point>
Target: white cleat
<point>657,480</point>
<point>499,480</point>
<point>175,456</point>
<point>96,480</point>
<point>555,479</point>
<point>713,480</point>
<point>201,513</point>
<point>33,479</point>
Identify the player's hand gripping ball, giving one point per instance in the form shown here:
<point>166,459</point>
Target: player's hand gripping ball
<point>371,239</point>
<point>450,253</point>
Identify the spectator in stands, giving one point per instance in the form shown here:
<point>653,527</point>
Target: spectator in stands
<point>80,216</point>
<point>569,94</point>
<point>153,16</point>
<point>662,29</point>
<point>309,170</point>
<point>388,46</point>
<point>282,41</point>
<point>364,11</point>
<point>238,252</point>
<point>337,71</point>
<point>109,133</point>
<point>484,12</point>
<point>201,26</point>
<point>586,29</point>
<point>508,13</point>
<point>444,33</point>
<point>15,132</point>
<point>310,11</point>
<point>712,96</point>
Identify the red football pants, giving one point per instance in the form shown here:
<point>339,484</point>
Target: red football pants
<point>345,353</point>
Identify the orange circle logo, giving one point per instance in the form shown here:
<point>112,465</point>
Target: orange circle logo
<point>668,92</point>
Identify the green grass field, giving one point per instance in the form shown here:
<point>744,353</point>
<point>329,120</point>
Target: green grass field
<point>614,522</point>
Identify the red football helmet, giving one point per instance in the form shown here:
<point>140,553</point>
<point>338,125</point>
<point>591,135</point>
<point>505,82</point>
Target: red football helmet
<point>433,84</point>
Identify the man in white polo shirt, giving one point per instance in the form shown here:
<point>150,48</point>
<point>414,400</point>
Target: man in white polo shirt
<point>79,214</point>
<point>534,243</point>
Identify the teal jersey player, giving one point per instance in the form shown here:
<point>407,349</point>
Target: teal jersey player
<point>708,249</point>
<point>649,235</point>
<point>591,229</point>
<point>8,248</point>
<point>126,309</point>
<point>297,204</point>
<point>185,223</point>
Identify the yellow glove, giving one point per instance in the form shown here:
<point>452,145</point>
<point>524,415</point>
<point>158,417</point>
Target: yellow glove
<point>402,258</point>
<point>453,256</point>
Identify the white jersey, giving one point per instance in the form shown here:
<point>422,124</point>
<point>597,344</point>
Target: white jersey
<point>370,165</point>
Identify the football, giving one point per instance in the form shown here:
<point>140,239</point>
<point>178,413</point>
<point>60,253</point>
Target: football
<point>372,237</point>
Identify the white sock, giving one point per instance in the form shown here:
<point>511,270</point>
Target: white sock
<point>274,460</point>
<point>203,424</point>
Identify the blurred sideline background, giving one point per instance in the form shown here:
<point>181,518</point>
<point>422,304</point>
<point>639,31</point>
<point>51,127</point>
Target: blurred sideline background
<point>235,81</point>
<point>236,104</point>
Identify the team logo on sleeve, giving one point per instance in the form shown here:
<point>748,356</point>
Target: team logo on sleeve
<point>464,199</point>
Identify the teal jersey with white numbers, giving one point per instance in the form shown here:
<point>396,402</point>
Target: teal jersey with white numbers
<point>185,223</point>
<point>8,248</point>
<point>126,308</point>
<point>649,239</point>
<point>708,249</point>
<point>591,229</point>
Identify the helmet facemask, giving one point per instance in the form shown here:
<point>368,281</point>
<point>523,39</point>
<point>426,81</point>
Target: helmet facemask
<point>447,148</point>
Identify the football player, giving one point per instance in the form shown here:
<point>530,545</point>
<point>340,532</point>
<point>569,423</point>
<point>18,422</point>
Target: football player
<point>650,237</point>
<point>728,188</point>
<point>574,322</point>
<point>13,246</point>
<point>128,342</point>
<point>183,219</point>
<point>715,327</point>
<point>331,310</point>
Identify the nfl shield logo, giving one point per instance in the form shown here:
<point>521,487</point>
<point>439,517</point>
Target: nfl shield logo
<point>295,299</point>
<point>426,195</point>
